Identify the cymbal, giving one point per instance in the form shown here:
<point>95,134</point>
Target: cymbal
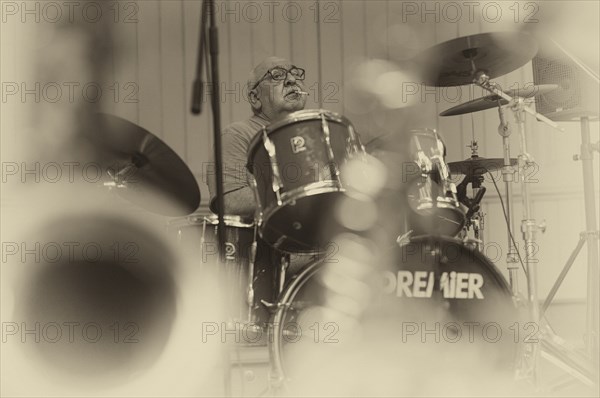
<point>491,101</point>
<point>455,62</point>
<point>146,171</point>
<point>477,166</point>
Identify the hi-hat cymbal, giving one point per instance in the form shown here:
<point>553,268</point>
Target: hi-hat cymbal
<point>146,171</point>
<point>491,101</point>
<point>477,166</point>
<point>456,62</point>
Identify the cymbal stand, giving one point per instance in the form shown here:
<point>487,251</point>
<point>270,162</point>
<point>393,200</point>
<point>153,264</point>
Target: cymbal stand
<point>483,81</point>
<point>512,261</point>
<point>529,366</point>
<point>528,224</point>
<point>477,220</point>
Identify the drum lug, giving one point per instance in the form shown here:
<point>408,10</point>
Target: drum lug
<point>335,172</point>
<point>404,239</point>
<point>258,214</point>
<point>270,148</point>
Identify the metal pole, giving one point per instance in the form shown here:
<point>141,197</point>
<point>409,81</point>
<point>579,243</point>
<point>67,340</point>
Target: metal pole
<point>508,177</point>
<point>528,228</point>
<point>587,162</point>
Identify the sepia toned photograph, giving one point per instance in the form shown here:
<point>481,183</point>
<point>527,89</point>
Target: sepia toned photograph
<point>299,198</point>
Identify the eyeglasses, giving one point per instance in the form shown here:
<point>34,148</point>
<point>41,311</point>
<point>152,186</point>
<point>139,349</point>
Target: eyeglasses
<point>279,73</point>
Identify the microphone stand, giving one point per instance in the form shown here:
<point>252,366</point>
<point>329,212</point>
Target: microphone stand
<point>213,52</point>
<point>213,47</point>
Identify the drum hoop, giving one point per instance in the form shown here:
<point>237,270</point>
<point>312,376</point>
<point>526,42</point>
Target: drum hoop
<point>443,203</point>
<point>229,219</point>
<point>283,303</point>
<point>298,116</point>
<point>186,221</point>
<point>422,131</point>
<point>307,114</point>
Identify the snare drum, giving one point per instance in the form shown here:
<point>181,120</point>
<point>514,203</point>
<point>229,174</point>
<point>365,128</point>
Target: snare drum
<point>434,207</point>
<point>295,165</point>
<point>430,283</point>
<point>253,279</point>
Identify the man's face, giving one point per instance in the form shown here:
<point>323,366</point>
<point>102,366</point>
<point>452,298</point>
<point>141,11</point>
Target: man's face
<point>278,98</point>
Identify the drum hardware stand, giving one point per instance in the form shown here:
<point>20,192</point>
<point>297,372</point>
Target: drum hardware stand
<point>547,339</point>
<point>529,227</point>
<point>590,368</point>
<point>474,216</point>
<point>512,261</point>
<point>483,80</point>
<point>529,366</point>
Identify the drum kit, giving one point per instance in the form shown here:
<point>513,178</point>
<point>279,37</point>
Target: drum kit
<point>296,171</point>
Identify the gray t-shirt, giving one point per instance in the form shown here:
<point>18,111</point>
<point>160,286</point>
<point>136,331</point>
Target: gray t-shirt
<point>235,140</point>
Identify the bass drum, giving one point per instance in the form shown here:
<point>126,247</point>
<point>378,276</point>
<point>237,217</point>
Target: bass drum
<point>431,290</point>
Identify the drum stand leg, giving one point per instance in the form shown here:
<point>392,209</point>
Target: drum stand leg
<point>584,368</point>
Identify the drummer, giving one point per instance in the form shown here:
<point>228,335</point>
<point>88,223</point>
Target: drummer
<point>274,88</point>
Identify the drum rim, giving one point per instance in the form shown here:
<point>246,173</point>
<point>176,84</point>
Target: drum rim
<point>285,298</point>
<point>298,116</point>
<point>422,131</point>
<point>443,203</point>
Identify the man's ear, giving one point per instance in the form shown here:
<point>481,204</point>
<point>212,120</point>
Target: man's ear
<point>254,100</point>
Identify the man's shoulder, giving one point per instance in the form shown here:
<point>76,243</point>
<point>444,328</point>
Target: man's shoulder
<point>253,123</point>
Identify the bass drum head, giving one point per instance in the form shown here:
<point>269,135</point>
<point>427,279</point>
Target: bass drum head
<point>433,298</point>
